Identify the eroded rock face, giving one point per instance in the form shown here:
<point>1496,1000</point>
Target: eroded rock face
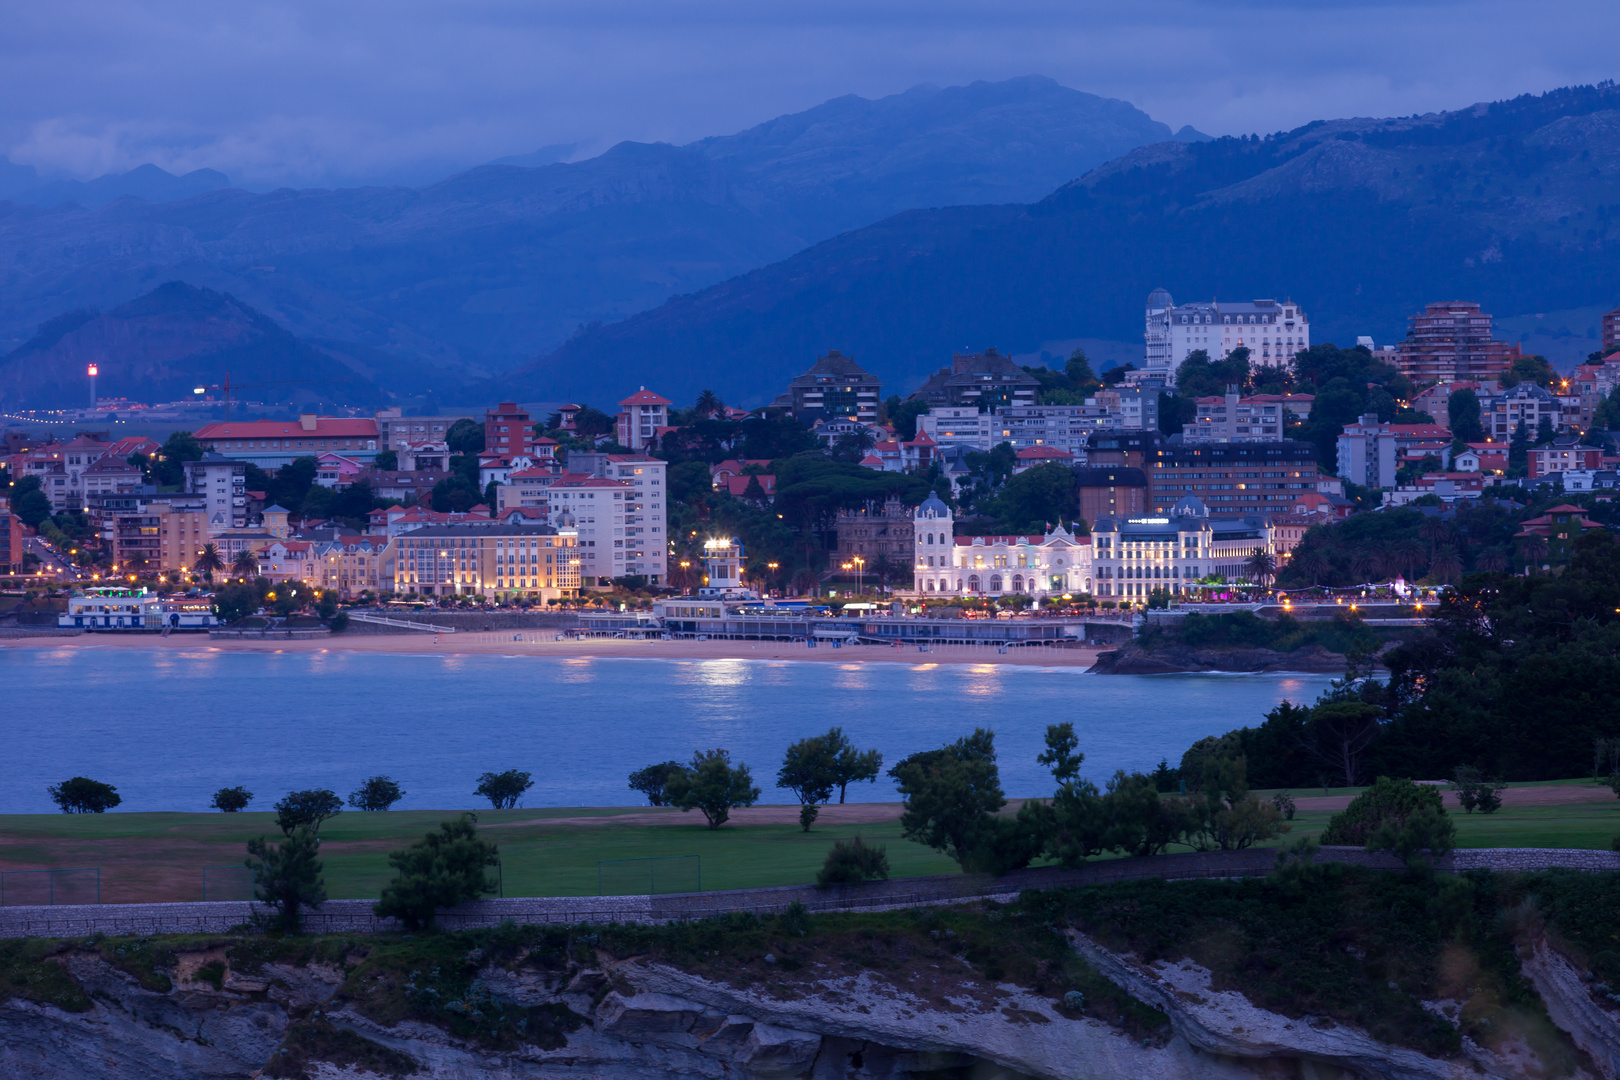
<point>645,1021</point>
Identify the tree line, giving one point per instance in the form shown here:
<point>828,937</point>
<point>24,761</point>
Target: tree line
<point>1515,677</point>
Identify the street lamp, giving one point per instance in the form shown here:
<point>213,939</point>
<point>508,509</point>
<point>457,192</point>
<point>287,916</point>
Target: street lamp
<point>860,564</point>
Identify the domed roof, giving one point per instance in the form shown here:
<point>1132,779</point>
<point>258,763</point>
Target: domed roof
<point>1160,298</point>
<point>563,520</point>
<point>933,507</point>
<point>1190,506</point>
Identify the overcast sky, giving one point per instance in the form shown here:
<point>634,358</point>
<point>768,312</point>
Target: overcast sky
<point>339,91</point>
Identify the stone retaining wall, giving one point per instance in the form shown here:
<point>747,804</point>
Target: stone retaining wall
<point>355,916</point>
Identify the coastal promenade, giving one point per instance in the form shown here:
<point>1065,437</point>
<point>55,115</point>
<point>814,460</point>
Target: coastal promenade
<point>355,916</point>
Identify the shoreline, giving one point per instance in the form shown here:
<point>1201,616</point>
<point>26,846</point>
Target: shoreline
<point>542,644</point>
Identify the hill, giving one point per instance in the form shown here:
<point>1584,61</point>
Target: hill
<point>160,346</point>
<point>1362,221</point>
<point>494,265</point>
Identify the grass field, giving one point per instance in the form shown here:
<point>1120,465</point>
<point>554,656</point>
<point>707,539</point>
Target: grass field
<point>555,852</point>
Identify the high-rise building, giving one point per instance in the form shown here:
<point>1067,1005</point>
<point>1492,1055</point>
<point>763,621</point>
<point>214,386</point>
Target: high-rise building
<point>1450,341</point>
<point>1273,331</point>
<point>1611,331</point>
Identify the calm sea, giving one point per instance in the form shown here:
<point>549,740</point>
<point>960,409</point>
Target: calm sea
<point>168,727</point>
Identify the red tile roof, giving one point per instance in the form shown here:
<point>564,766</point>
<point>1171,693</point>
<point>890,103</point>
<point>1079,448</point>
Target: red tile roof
<point>326,427</point>
<point>645,397</point>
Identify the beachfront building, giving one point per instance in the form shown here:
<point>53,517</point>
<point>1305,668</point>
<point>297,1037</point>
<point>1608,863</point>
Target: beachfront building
<point>1134,556</point>
<point>618,503</point>
<point>1052,564</point>
<point>500,562</point>
<point>351,564</point>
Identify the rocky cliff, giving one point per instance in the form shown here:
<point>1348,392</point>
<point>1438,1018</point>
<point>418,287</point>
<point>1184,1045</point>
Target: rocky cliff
<point>866,1000</point>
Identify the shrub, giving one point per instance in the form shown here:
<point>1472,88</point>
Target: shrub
<point>850,862</point>
<point>231,800</point>
<point>442,869</point>
<point>711,784</point>
<point>377,793</point>
<point>1388,802</point>
<point>340,622</point>
<point>503,790</point>
<point>1284,802</point>
<point>287,876</point>
<point>82,795</point>
<point>1474,792</point>
<point>306,809</point>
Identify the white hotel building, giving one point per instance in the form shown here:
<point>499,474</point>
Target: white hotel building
<point>1273,331</point>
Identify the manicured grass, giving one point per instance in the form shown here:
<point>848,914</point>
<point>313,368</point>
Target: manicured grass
<point>147,857</point>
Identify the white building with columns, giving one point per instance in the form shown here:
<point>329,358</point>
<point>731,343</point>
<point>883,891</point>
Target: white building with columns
<point>1052,564</point>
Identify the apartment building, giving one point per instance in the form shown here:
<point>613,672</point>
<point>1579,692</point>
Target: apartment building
<point>627,534</point>
<point>11,539</point>
<point>1563,455</point>
<point>395,432</point>
<point>1611,331</point>
<point>1230,478</point>
<point>223,482</point>
<point>1272,331</point>
<point>352,564</point>
<point>1450,341</point>
<point>835,386</point>
<point>1371,452</point>
<point>1233,418</point>
<point>986,381</point>
<point>161,533</point>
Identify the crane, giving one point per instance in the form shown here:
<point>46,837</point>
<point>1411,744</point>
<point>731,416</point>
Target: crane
<point>227,387</point>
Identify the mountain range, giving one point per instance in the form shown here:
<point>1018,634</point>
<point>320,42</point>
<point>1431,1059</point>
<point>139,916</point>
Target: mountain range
<point>483,271</point>
<point>161,346</point>
<point>1515,204</point>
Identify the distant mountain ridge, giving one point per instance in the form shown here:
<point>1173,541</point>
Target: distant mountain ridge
<point>1515,204</point>
<point>489,267</point>
<point>160,346</point>
<point>20,183</point>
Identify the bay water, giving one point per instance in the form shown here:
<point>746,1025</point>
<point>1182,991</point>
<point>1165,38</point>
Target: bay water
<point>169,726</point>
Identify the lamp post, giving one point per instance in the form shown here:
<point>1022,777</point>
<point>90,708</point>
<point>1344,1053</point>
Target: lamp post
<point>860,564</point>
<point>772,568</point>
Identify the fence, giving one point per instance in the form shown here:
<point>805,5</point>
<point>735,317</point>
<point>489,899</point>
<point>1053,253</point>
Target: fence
<point>662,874</point>
<point>227,883</point>
<point>47,888</point>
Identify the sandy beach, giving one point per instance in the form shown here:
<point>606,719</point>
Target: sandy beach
<point>544,644</point>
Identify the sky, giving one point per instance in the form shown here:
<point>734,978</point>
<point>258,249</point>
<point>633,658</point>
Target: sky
<point>317,93</point>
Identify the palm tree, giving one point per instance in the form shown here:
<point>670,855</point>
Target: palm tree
<point>1361,565</point>
<point>805,581</point>
<point>1261,566</point>
<point>708,403</point>
<point>1408,555</point>
<point>1446,565</point>
<point>1493,560</point>
<point>245,565</point>
<point>1533,549</point>
<point>1434,531</point>
<point>208,562</point>
<point>1310,562</point>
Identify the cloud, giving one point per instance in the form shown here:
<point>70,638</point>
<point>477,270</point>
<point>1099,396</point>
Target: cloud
<point>320,93</point>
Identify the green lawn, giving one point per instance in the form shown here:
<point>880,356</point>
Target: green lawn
<point>146,857</point>
<point>161,856</point>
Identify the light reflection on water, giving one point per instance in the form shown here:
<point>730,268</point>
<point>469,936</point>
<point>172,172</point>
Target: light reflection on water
<point>169,727</point>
